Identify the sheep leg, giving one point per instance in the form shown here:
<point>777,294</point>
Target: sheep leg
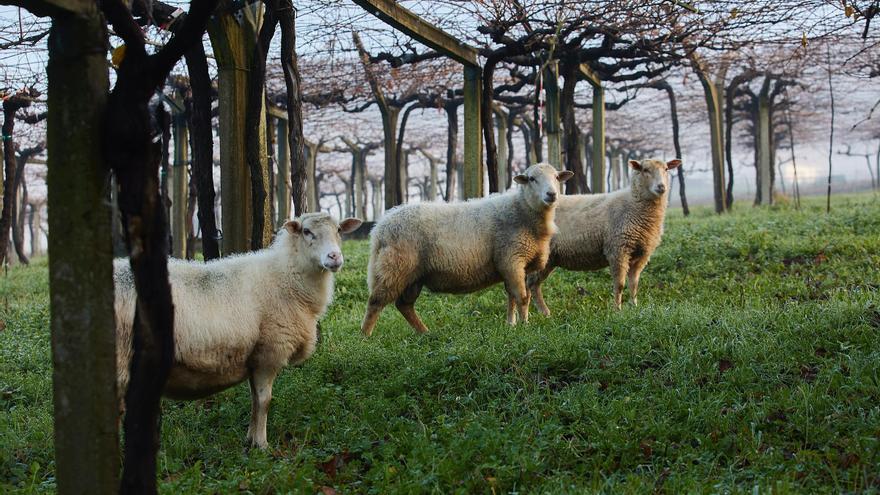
<point>618,277</point>
<point>535,281</point>
<point>632,278</point>
<point>374,308</point>
<point>406,305</point>
<point>511,307</point>
<point>517,293</point>
<point>261,395</point>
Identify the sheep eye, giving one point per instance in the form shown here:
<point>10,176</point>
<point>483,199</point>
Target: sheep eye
<point>532,179</point>
<point>308,233</point>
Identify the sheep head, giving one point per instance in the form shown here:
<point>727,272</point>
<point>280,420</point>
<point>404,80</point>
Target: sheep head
<point>541,183</point>
<point>651,177</point>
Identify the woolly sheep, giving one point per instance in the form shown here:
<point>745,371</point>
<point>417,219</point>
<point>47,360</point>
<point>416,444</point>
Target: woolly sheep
<point>463,247</point>
<point>619,229</point>
<point>242,317</point>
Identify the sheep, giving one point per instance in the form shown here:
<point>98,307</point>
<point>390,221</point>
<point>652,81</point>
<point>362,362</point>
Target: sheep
<point>463,247</point>
<point>242,317</point>
<point>619,229</point>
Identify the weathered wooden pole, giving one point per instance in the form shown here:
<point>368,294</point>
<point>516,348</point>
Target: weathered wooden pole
<point>552,115</point>
<point>80,254</point>
<point>282,181</point>
<point>764,159</point>
<point>233,43</point>
<point>598,170</point>
<point>474,170</point>
<point>313,193</point>
<point>179,184</point>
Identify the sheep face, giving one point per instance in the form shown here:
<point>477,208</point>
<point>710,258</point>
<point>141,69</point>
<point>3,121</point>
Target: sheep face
<point>651,177</point>
<point>540,184</point>
<point>317,237</point>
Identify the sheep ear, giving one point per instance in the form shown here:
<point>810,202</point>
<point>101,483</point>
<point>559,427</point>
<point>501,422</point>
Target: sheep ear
<point>635,164</point>
<point>564,175</point>
<point>349,225</point>
<point>293,226</point>
<point>671,164</point>
<point>521,179</point>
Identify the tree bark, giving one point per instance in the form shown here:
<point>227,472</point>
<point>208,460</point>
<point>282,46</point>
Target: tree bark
<point>20,201</point>
<point>255,137</point>
<point>393,189</point>
<point>131,153</point>
<point>451,109</point>
<point>570,70</point>
<point>202,140</point>
<point>81,259</point>
<point>400,155</point>
<point>290,66</point>
<point>713,105</point>
<point>18,211</point>
<point>10,106</point>
<point>486,102</point>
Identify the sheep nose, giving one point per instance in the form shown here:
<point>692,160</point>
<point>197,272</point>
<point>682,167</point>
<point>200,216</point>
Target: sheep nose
<point>661,188</point>
<point>551,197</point>
<point>334,255</point>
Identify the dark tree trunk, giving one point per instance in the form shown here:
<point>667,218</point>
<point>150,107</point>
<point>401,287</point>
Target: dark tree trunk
<point>728,141</point>
<point>527,141</point>
<point>488,126</point>
<point>509,136</point>
<point>673,112</point>
<point>18,210</point>
<point>163,120</point>
<point>135,159</point>
<point>569,71</point>
<point>537,137</point>
<point>402,162</point>
<point>293,82</point>
<point>451,145</point>
<point>19,204</point>
<point>202,139</point>
<point>10,106</point>
<point>254,143</point>
<point>190,213</point>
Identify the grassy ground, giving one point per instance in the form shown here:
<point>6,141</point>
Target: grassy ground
<point>750,364</point>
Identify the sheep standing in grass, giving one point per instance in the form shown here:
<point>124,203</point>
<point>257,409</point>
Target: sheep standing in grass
<point>242,317</point>
<point>619,229</point>
<point>464,247</point>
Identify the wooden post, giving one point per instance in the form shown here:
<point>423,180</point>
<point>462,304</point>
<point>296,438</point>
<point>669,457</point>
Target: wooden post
<point>81,257</point>
<point>180,186</point>
<point>282,180</point>
<point>473,137</point>
<point>233,44</point>
<point>764,161</point>
<point>598,170</point>
<point>312,193</point>
<point>551,115</point>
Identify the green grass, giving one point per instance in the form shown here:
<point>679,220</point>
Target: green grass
<point>750,365</point>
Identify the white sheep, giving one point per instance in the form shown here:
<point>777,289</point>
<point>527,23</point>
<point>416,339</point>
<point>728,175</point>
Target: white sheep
<point>242,317</point>
<point>619,229</point>
<point>463,247</point>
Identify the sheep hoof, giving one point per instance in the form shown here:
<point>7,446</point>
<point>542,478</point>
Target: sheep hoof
<point>253,444</point>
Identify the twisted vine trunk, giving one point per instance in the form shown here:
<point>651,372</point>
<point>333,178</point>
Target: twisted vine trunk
<point>135,158</point>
